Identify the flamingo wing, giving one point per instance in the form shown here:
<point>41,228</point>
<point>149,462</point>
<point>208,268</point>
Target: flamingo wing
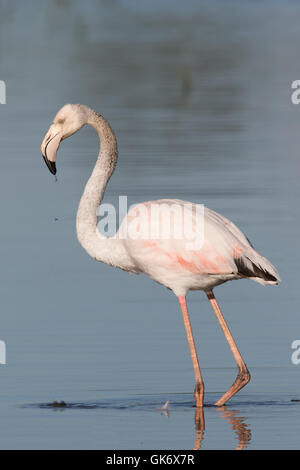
<point>224,250</point>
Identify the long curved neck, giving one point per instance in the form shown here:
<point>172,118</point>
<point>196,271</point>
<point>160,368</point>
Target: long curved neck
<point>108,250</point>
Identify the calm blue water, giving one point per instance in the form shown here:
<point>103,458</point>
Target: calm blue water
<point>199,98</point>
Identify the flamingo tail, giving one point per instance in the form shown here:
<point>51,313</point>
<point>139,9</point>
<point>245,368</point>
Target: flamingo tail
<point>254,266</point>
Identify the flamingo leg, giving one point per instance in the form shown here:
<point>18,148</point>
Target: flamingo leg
<point>199,387</point>
<point>243,376</point>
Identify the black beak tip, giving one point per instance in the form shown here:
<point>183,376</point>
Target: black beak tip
<point>51,165</point>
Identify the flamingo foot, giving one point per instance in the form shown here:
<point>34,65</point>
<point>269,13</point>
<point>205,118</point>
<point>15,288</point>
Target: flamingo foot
<point>199,394</point>
<point>242,379</point>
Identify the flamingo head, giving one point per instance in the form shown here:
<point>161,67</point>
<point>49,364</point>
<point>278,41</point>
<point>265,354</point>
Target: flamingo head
<point>69,119</point>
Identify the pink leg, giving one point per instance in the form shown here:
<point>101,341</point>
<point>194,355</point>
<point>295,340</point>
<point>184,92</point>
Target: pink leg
<point>199,388</point>
<point>243,376</point>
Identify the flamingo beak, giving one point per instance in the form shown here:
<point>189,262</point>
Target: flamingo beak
<point>51,165</point>
<point>49,148</point>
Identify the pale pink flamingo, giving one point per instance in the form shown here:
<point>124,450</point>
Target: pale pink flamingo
<point>224,255</point>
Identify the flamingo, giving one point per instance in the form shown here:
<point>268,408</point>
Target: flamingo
<point>225,252</point>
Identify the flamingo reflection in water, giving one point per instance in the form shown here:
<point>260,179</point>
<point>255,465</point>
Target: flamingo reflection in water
<point>238,423</point>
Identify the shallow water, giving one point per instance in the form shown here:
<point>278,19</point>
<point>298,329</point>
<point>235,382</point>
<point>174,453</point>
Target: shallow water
<point>199,98</point>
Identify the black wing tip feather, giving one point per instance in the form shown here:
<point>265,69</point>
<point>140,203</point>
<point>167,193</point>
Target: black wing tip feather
<point>254,271</point>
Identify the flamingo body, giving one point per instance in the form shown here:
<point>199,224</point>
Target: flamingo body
<point>225,254</point>
<point>219,253</point>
